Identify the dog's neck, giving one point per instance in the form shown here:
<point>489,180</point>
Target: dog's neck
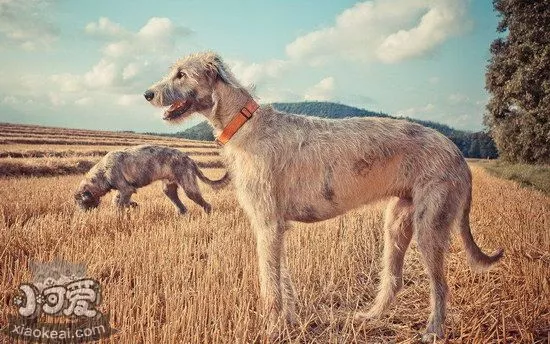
<point>228,101</point>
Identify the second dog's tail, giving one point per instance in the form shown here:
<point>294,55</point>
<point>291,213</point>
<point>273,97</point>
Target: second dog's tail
<point>215,184</point>
<point>477,260</point>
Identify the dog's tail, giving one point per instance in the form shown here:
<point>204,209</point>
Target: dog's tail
<point>477,260</point>
<point>215,184</point>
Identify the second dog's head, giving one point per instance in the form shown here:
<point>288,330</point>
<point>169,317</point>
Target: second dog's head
<point>190,86</point>
<point>86,196</point>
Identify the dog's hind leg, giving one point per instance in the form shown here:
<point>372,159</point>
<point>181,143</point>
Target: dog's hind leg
<point>188,183</point>
<point>171,191</point>
<point>434,216</point>
<point>398,230</point>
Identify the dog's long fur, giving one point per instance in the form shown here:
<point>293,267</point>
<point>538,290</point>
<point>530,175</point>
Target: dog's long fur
<point>288,167</point>
<point>128,169</point>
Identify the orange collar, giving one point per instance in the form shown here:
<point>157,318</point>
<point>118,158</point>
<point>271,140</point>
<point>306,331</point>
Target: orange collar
<point>237,122</point>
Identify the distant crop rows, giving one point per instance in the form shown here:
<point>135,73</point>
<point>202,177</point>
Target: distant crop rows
<point>71,153</point>
<point>94,142</point>
<point>33,130</point>
<point>43,151</point>
<point>62,166</point>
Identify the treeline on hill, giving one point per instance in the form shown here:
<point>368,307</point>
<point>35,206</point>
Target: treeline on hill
<point>472,145</point>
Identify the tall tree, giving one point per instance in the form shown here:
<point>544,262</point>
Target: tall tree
<point>518,78</point>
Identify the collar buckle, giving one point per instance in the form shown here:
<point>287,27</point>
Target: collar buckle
<point>237,122</point>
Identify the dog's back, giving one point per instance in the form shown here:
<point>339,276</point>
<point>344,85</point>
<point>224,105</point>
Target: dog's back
<point>144,164</point>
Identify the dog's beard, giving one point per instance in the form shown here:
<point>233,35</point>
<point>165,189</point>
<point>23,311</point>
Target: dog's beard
<point>179,103</point>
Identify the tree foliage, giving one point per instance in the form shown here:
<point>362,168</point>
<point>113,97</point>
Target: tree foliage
<point>518,78</point>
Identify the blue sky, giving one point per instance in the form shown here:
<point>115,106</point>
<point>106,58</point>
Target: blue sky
<point>86,63</point>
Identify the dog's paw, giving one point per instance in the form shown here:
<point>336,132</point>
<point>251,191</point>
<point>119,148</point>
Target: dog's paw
<point>368,315</point>
<point>431,337</point>
<point>360,317</point>
<point>291,319</point>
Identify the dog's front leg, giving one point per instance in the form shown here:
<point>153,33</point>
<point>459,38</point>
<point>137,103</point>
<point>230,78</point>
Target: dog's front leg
<point>269,245</point>
<point>123,198</point>
<point>289,293</point>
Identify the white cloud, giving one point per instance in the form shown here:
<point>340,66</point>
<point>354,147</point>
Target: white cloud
<point>56,99</point>
<point>84,101</point>
<point>25,24</point>
<point>278,94</point>
<point>105,27</point>
<point>255,73</point>
<point>443,20</point>
<point>65,82</point>
<point>12,100</point>
<point>126,55</point>
<point>458,98</point>
<point>416,111</point>
<point>158,35</point>
<point>384,30</point>
<point>434,80</point>
<point>103,74</point>
<point>376,30</point>
<point>464,116</point>
<point>157,28</point>
<point>131,70</point>
<point>130,99</point>
<point>114,79</point>
<point>429,107</point>
<point>322,90</point>
<point>482,102</point>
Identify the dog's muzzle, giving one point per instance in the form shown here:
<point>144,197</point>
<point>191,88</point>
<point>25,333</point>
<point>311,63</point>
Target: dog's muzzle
<point>149,95</point>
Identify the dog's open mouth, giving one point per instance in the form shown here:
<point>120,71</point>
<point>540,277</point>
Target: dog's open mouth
<point>177,109</point>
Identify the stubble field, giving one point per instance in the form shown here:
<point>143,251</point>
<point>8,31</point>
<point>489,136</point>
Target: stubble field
<point>168,278</point>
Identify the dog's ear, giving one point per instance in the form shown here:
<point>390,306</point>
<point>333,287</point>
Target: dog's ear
<point>222,72</point>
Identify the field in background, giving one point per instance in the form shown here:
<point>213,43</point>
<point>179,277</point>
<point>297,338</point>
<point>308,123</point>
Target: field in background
<point>533,176</point>
<point>193,279</point>
<point>42,151</point>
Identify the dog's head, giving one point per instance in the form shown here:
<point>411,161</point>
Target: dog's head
<point>85,196</point>
<point>190,85</point>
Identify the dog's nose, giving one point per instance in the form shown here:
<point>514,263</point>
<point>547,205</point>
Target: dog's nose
<point>149,95</point>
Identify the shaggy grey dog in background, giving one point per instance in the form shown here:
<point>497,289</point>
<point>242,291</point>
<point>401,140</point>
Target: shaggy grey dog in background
<point>131,168</point>
<point>288,167</point>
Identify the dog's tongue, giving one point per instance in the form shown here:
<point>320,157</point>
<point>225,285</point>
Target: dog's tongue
<point>176,105</point>
<point>175,108</point>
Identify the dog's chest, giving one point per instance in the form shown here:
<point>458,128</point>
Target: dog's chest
<point>251,175</point>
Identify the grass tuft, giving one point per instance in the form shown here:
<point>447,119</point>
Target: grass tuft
<point>533,176</point>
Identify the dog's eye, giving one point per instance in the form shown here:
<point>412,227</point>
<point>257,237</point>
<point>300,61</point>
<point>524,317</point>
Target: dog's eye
<point>181,74</point>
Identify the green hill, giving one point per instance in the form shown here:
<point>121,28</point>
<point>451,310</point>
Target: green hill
<point>201,131</point>
<point>472,145</point>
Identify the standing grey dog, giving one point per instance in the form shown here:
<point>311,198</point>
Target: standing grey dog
<point>288,167</point>
<point>128,169</point>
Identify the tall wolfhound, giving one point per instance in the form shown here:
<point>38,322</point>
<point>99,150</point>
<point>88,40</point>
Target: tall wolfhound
<point>288,167</point>
<point>128,169</point>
